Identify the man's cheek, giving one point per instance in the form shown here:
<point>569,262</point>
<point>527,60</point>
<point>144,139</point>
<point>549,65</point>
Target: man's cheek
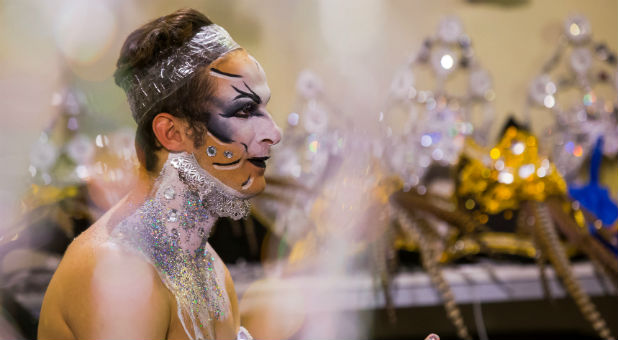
<point>221,129</point>
<point>244,134</point>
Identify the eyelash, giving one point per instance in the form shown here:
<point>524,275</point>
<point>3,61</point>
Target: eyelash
<point>248,110</point>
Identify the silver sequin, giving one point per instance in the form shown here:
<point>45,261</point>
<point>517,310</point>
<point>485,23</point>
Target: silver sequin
<point>172,216</point>
<point>211,151</point>
<point>169,193</point>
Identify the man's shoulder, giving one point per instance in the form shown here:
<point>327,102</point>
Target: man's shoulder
<point>98,278</point>
<point>94,261</point>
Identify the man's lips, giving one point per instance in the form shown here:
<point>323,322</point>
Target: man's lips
<point>260,162</point>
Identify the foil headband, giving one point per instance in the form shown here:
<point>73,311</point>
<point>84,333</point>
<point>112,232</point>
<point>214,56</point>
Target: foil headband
<point>146,88</point>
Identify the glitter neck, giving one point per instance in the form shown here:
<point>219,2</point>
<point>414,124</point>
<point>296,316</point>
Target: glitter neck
<point>170,230</point>
<point>222,200</point>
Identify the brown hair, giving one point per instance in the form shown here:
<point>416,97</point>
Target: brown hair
<point>149,44</point>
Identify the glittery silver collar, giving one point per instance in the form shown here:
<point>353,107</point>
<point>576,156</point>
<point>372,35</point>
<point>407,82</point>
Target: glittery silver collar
<point>170,230</point>
<point>221,200</point>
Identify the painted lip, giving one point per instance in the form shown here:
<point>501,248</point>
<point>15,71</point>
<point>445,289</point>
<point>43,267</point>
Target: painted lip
<point>260,162</point>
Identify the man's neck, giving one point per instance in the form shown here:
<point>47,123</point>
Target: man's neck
<point>184,199</point>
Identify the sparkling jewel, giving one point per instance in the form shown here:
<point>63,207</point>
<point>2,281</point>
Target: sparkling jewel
<point>169,193</point>
<point>577,29</point>
<point>522,177</point>
<point>228,154</point>
<point>517,148</point>
<point>505,177</point>
<point>443,61</point>
<point>172,216</point>
<point>542,87</point>
<point>549,101</point>
<point>526,171</point>
<point>211,151</point>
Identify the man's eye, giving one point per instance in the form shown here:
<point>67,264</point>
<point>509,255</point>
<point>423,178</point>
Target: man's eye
<point>247,110</point>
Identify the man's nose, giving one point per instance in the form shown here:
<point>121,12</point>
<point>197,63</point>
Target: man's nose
<point>271,133</point>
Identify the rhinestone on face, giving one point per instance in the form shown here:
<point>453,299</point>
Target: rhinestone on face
<point>228,154</point>
<point>169,193</point>
<point>211,151</point>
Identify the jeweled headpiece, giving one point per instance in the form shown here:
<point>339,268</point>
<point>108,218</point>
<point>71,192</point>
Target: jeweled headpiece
<point>146,88</point>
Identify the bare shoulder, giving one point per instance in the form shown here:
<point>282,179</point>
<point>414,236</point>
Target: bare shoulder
<point>67,286</point>
<point>102,290</point>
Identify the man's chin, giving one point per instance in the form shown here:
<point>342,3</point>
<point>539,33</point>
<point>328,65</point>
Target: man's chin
<point>258,185</point>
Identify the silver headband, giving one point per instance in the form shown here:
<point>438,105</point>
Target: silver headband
<point>146,88</point>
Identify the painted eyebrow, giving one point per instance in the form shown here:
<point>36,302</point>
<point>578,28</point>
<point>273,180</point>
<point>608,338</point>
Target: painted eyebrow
<point>225,73</point>
<point>242,94</point>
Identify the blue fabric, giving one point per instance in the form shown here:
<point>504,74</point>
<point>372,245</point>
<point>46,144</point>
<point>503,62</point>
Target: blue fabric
<point>592,196</point>
<point>596,199</point>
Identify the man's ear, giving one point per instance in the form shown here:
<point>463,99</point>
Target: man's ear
<point>170,132</point>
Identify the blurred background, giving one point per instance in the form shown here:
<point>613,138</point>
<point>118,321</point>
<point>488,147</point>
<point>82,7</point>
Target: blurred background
<point>389,109</point>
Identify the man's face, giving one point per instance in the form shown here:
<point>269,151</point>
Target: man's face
<point>240,131</point>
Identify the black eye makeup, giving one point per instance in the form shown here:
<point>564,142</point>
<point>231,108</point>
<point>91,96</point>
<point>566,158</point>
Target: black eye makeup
<point>250,109</point>
<point>244,94</point>
<point>244,105</point>
<point>243,109</point>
